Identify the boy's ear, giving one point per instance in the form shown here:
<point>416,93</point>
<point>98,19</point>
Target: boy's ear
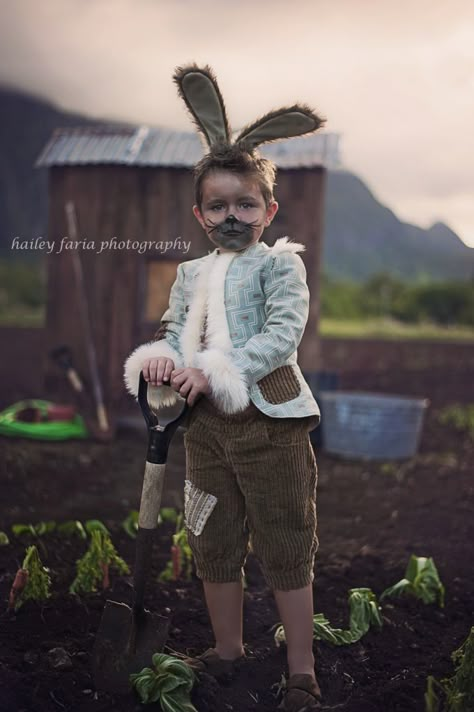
<point>198,216</point>
<point>271,212</point>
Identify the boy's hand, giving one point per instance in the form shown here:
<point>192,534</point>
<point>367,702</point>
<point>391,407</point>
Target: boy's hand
<point>157,370</point>
<point>189,383</point>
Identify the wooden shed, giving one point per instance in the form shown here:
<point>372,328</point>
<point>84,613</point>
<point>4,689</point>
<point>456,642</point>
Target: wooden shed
<point>132,190</point>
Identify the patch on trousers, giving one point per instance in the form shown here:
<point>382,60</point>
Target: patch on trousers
<point>198,506</point>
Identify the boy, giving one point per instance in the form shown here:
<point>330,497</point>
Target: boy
<point>228,344</point>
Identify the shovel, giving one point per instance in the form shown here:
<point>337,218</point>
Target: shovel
<point>129,635</point>
<point>62,356</point>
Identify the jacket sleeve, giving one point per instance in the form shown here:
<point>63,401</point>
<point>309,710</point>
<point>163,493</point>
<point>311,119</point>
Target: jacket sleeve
<point>231,374</point>
<point>166,343</point>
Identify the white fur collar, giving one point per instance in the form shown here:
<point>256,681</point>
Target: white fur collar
<point>283,244</point>
<point>208,297</point>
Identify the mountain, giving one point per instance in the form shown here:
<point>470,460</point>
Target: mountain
<point>26,124</point>
<point>361,236</point>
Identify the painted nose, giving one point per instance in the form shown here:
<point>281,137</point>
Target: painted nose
<point>231,219</point>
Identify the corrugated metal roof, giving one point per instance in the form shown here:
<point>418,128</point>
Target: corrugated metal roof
<point>146,146</point>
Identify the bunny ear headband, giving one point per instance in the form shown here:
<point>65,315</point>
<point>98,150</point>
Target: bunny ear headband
<point>198,88</point>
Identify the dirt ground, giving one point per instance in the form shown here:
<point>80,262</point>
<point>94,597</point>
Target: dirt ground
<point>371,518</point>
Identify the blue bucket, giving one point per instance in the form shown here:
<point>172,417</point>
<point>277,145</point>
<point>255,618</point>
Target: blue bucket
<point>320,381</point>
<point>371,426</point>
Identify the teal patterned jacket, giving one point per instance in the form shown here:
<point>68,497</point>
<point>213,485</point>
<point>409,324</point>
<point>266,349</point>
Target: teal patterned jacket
<point>240,317</point>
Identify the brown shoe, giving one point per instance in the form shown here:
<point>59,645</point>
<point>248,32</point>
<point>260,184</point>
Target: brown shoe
<point>301,694</point>
<point>212,664</point>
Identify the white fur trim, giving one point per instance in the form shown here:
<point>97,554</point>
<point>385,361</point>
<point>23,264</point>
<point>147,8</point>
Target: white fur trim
<point>228,384</point>
<point>217,336</point>
<point>208,296</point>
<point>191,334</point>
<point>284,245</point>
<point>158,396</point>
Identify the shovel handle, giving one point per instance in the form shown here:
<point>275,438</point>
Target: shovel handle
<point>159,439</point>
<point>152,490</point>
<point>147,523</point>
<point>150,416</point>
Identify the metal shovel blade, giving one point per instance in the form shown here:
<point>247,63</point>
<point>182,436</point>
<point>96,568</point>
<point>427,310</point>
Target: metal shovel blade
<point>125,644</point>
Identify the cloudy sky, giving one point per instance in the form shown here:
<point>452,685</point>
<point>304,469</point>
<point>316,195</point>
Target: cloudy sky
<point>396,79</point>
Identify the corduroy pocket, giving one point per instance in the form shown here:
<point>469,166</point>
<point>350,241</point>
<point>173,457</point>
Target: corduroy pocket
<point>285,431</point>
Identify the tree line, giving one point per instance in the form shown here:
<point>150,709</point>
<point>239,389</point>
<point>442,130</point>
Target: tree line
<point>23,284</point>
<point>384,295</point>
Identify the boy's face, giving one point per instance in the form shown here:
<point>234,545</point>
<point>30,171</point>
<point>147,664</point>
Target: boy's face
<point>233,212</point>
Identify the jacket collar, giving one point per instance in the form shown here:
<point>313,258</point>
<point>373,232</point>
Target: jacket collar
<point>252,249</point>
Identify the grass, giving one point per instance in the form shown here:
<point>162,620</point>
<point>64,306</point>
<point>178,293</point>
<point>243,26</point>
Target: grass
<point>23,316</point>
<point>375,328</point>
<point>384,328</point>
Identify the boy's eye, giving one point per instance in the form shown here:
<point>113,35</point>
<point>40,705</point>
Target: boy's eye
<point>217,207</point>
<point>247,205</point>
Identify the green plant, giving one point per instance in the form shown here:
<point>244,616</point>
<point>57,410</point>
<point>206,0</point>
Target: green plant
<point>169,681</point>
<point>421,580</point>
<point>93,568</point>
<point>4,540</point>
<point>34,529</point>
<point>458,690</point>
<point>167,514</point>
<point>181,555</point>
<point>94,525</point>
<point>130,524</point>
<point>459,416</point>
<point>31,582</point>
<point>364,613</point>
<point>72,527</point>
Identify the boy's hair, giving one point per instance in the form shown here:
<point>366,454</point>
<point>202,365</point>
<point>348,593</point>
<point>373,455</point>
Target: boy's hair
<point>232,158</point>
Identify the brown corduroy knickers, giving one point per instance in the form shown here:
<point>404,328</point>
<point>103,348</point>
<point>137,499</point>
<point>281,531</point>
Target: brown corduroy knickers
<point>250,477</point>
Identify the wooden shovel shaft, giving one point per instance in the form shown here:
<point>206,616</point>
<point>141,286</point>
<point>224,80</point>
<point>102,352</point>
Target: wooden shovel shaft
<point>151,495</point>
<point>150,504</point>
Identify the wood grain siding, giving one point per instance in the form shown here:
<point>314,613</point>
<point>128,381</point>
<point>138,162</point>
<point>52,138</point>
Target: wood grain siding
<point>301,195</point>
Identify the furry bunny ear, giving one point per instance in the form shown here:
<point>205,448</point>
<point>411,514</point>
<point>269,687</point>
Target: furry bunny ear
<point>198,88</point>
<point>283,123</point>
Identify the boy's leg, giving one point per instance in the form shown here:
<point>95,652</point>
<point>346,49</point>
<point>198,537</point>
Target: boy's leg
<point>219,547</point>
<point>296,613</point>
<point>225,605</point>
<point>281,511</point>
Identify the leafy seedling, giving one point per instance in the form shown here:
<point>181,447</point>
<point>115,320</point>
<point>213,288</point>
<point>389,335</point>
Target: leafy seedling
<point>4,540</point>
<point>72,527</point>
<point>95,525</point>
<point>421,580</point>
<point>167,514</point>
<point>181,555</point>
<point>31,582</point>
<point>169,681</point>
<point>458,690</point>
<point>34,529</point>
<point>93,568</point>
<point>45,528</point>
<point>130,524</point>
<point>364,613</point>
<point>461,417</point>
